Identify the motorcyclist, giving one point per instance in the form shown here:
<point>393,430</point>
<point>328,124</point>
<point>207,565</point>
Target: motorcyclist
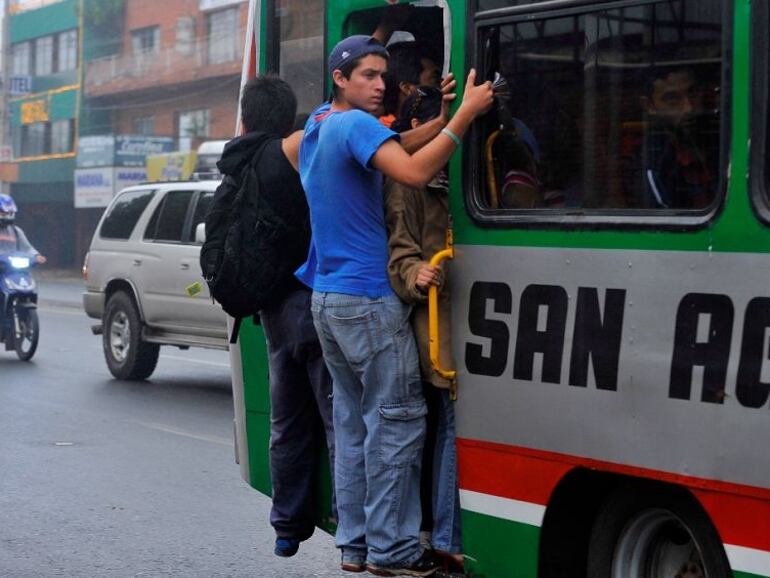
<point>12,238</point>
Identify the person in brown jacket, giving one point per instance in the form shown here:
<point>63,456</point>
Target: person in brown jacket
<point>417,221</point>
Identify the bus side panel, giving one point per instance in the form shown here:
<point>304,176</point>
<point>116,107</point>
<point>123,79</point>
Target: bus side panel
<point>256,393</point>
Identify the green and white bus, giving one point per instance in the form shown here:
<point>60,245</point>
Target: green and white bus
<point>610,315</point>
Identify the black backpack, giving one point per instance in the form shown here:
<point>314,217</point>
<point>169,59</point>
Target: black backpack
<point>243,259</point>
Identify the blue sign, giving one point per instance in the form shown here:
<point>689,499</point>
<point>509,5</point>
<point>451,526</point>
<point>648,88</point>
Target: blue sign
<point>132,150</point>
<point>20,84</point>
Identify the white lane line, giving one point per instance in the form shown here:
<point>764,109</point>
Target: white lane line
<point>63,310</point>
<point>186,434</point>
<point>190,360</point>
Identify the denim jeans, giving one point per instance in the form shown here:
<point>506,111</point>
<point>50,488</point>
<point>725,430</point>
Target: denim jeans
<point>446,533</point>
<point>300,413</point>
<point>379,425</point>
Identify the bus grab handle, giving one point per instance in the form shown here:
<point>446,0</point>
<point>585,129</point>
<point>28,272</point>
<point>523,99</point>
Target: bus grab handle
<point>433,332</point>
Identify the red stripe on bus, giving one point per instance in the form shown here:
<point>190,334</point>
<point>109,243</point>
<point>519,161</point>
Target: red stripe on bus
<point>741,513</point>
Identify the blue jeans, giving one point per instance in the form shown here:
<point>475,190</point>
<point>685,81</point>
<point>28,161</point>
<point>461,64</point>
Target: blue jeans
<point>379,425</point>
<point>446,535</point>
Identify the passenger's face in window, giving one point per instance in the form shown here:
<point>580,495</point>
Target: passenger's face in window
<point>431,74</point>
<point>365,88</point>
<point>675,98</point>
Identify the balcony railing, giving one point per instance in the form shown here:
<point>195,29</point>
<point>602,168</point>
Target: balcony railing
<point>187,61</point>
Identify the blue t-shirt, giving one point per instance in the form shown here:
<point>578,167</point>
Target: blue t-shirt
<point>349,247</point>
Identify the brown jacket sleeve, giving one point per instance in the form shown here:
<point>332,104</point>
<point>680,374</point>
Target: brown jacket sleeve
<point>403,214</point>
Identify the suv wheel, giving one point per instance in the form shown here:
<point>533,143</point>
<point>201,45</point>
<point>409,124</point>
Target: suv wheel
<point>127,356</point>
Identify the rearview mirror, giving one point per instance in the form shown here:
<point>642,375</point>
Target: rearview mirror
<point>200,233</point>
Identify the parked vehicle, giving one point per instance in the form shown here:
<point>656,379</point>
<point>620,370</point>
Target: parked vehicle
<point>19,325</point>
<point>143,281</point>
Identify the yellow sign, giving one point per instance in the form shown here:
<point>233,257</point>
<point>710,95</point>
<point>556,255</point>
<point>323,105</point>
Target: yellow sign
<point>34,111</point>
<point>176,166</point>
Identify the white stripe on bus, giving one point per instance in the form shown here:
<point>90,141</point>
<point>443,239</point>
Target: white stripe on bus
<point>748,560</point>
<point>505,508</point>
<point>741,559</point>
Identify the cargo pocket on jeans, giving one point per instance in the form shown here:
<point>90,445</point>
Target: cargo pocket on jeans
<point>402,433</point>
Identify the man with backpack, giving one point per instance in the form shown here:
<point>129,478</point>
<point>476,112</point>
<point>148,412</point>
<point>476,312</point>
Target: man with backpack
<point>258,233</point>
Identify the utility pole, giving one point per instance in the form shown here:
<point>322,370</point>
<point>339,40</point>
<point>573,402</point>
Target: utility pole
<point>7,61</point>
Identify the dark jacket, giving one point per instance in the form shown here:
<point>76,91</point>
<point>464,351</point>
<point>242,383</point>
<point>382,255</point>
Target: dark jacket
<point>282,202</point>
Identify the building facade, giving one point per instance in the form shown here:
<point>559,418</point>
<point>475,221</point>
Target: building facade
<point>123,71</point>
<point>43,72</point>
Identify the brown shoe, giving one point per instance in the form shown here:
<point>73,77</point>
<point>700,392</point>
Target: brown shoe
<point>425,565</point>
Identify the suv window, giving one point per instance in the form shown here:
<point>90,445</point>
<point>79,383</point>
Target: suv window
<point>201,208</point>
<point>125,212</point>
<point>167,222</point>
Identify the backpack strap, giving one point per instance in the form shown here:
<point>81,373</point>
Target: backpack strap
<point>236,330</point>
<point>237,327</point>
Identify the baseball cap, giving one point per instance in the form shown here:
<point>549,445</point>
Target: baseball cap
<point>354,47</point>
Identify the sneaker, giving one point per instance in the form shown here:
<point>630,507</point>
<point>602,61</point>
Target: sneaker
<point>286,547</point>
<point>425,565</point>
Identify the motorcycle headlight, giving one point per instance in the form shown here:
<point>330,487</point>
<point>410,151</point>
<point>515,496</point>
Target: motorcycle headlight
<point>19,262</point>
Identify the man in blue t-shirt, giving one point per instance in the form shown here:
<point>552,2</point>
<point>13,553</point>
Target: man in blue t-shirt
<point>368,346</point>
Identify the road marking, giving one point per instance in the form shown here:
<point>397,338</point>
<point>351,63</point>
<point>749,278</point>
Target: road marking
<point>201,361</point>
<point>186,434</point>
<point>60,309</point>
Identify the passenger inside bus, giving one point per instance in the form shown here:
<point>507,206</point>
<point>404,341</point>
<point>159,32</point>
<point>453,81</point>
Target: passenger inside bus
<point>409,66</point>
<point>677,158</point>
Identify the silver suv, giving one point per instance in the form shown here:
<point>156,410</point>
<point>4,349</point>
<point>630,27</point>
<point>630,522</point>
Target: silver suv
<point>143,280</point>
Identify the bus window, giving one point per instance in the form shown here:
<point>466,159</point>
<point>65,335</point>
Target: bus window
<point>296,49</point>
<point>603,110</point>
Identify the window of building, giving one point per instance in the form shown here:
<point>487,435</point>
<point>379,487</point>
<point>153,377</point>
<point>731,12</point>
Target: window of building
<point>44,55</point>
<point>35,139</point>
<point>146,40</point>
<point>22,57</point>
<point>144,125</point>
<point>611,110</point>
<point>223,36</point>
<point>68,51</point>
<point>62,136</point>
<point>192,124</point>
<point>125,212</point>
<point>298,50</point>
<point>167,223</point>
<point>184,42</point>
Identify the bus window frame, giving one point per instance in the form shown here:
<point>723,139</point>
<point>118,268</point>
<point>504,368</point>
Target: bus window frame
<point>759,170</point>
<point>684,220</point>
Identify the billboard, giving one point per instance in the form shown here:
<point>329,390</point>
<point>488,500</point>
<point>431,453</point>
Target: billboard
<point>120,150</point>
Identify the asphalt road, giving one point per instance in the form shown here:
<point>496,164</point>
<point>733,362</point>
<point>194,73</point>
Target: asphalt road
<point>105,478</point>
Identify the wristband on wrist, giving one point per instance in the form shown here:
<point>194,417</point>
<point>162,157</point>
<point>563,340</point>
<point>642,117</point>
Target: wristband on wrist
<point>451,135</point>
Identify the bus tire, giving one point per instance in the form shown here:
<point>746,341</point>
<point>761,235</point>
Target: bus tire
<point>128,356</point>
<point>654,530</point>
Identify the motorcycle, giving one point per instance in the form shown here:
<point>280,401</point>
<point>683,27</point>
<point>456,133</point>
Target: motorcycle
<point>19,325</point>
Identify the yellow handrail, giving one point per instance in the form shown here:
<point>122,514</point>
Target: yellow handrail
<point>433,333</point>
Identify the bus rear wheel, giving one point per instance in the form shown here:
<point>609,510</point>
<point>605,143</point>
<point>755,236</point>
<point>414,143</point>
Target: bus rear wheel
<point>654,532</point>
